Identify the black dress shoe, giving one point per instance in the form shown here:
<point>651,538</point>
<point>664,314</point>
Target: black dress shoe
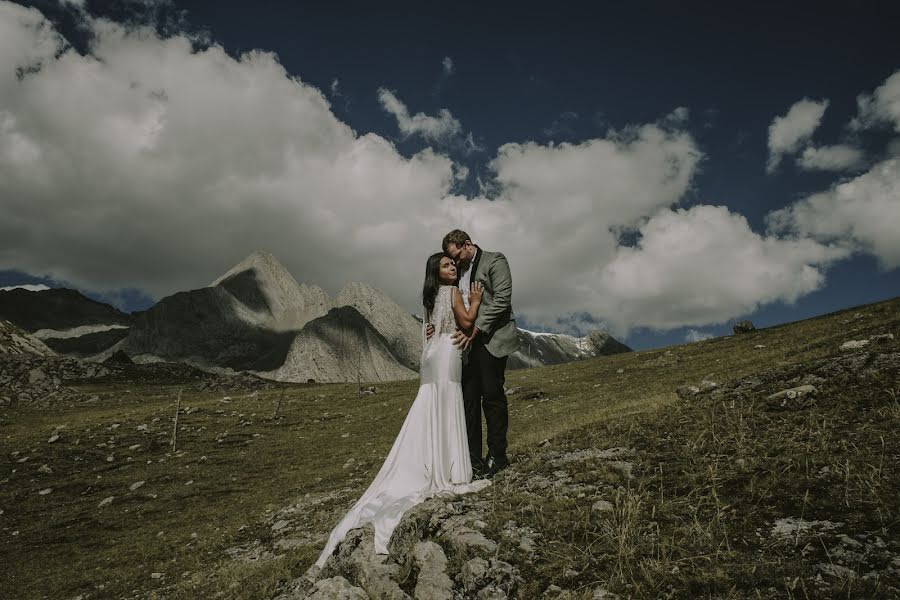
<point>479,470</point>
<point>495,464</point>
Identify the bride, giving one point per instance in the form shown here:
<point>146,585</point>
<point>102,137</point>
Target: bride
<point>430,455</point>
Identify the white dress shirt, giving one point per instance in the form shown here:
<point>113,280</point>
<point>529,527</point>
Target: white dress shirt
<point>465,281</point>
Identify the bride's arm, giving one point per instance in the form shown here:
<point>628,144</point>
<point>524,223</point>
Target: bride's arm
<point>466,318</point>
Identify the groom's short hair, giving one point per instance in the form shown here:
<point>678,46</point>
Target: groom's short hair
<point>458,237</point>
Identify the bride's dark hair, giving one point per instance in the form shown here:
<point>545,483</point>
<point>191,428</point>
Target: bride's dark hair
<point>432,282</point>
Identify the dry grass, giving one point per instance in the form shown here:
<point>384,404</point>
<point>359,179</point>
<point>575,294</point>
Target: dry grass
<point>708,476</point>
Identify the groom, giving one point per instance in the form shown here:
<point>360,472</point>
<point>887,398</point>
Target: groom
<point>492,339</point>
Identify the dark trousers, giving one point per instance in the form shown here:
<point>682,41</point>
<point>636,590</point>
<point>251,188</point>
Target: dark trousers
<point>482,386</point>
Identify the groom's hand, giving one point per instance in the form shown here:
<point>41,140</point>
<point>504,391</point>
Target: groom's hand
<point>429,331</point>
<point>463,341</point>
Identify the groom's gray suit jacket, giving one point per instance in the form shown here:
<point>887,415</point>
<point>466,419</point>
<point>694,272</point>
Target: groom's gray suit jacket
<point>495,316</point>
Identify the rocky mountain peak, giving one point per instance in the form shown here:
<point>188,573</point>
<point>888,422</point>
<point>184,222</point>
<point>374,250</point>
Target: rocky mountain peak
<point>263,263</point>
<point>269,293</point>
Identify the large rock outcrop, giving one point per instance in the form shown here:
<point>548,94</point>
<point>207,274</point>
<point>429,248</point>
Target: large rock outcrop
<point>401,331</point>
<point>341,346</point>
<point>13,340</point>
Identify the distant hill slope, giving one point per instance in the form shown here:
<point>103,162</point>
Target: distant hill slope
<point>56,309</point>
<point>208,327</point>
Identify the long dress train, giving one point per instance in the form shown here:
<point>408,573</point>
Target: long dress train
<point>431,453</point>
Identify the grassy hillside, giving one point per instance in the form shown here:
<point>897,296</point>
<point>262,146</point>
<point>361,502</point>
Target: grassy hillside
<point>729,495</point>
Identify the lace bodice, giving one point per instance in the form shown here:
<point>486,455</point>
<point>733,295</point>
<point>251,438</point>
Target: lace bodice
<point>442,316</point>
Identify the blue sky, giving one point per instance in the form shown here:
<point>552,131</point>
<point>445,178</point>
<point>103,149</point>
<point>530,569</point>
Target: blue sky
<point>548,134</point>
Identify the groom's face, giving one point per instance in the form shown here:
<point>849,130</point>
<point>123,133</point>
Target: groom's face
<point>461,254</point>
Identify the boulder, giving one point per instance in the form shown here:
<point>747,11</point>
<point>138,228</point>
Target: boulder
<point>744,327</point>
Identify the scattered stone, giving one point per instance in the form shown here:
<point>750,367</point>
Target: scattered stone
<point>356,558</point>
<point>789,527</point>
<point>433,581</point>
<point>706,385</point>
<point>758,347</point>
<point>743,327</point>
<point>136,485</point>
<point>465,540</point>
<point>882,337</point>
<point>106,501</point>
<point>156,575</point>
<point>602,506</point>
<point>854,345</point>
<point>623,467</point>
<point>45,491</point>
<point>280,525</point>
<point>53,438</point>
<point>336,588</point>
<point>45,469</point>
<point>783,398</point>
<point>837,571</point>
<point>473,573</point>
<point>36,375</point>
<point>687,391</point>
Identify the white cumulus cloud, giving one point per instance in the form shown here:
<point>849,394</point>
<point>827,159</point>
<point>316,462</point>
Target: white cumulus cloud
<point>880,107</point>
<point>434,129</point>
<point>840,157</point>
<point>166,165</point>
<point>788,132</point>
<point>864,211</point>
<point>705,265</point>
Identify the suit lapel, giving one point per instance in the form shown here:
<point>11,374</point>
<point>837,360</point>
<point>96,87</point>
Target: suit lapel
<point>475,263</point>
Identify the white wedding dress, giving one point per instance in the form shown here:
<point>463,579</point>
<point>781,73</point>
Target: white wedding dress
<point>431,453</point>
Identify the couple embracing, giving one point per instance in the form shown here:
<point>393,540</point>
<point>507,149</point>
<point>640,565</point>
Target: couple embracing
<point>467,298</point>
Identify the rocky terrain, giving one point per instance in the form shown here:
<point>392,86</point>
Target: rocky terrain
<point>828,544</point>
<point>14,340</point>
<point>46,380</point>
<point>758,465</point>
<point>341,346</point>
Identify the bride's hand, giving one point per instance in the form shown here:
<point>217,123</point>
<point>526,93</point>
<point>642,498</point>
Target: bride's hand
<point>475,292</point>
